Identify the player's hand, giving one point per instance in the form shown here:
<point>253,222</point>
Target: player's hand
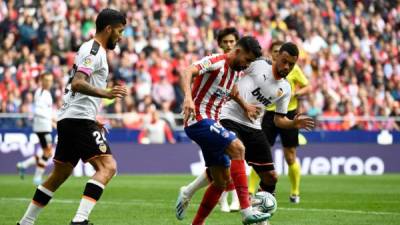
<point>303,122</point>
<point>102,127</point>
<point>117,92</point>
<point>188,109</point>
<point>252,112</point>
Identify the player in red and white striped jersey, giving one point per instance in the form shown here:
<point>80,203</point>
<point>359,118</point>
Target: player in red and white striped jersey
<point>215,78</point>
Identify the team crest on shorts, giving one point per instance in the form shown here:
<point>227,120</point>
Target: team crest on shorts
<point>225,134</point>
<point>103,148</point>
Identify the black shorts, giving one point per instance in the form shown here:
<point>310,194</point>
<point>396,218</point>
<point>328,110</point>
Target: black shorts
<point>289,137</point>
<point>45,139</point>
<point>258,151</point>
<point>79,139</point>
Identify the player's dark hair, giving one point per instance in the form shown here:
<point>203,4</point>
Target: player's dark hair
<point>250,44</point>
<point>227,31</point>
<point>275,43</point>
<point>109,17</point>
<point>290,48</point>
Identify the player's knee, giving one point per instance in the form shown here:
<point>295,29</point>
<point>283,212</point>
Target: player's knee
<point>236,150</point>
<point>221,184</point>
<point>111,169</point>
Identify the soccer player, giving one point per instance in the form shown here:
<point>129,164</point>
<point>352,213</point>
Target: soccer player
<point>226,40</point>
<point>42,126</point>
<point>214,79</point>
<point>264,84</point>
<point>289,137</point>
<point>79,135</point>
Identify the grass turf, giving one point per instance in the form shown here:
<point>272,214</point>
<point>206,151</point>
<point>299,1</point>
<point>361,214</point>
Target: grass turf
<point>150,200</point>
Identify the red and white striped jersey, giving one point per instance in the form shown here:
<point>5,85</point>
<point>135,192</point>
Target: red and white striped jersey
<point>212,87</point>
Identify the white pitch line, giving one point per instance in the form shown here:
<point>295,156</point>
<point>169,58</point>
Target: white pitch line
<point>162,203</point>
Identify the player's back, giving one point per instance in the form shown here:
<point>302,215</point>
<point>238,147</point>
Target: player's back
<point>43,111</point>
<point>212,87</point>
<point>91,60</point>
<point>259,87</point>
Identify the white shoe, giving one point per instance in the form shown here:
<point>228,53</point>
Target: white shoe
<point>181,204</point>
<point>294,199</point>
<point>264,223</point>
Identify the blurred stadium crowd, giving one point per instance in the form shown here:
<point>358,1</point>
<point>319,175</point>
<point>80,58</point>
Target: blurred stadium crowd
<point>349,52</point>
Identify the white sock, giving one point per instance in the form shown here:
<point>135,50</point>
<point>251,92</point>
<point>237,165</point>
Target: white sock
<point>86,205</point>
<point>39,171</point>
<point>224,197</point>
<point>28,162</point>
<point>235,197</point>
<point>33,209</point>
<point>200,182</point>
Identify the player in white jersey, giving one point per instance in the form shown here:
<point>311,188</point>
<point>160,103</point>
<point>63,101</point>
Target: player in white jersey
<point>42,126</point>
<point>264,84</point>
<point>79,135</point>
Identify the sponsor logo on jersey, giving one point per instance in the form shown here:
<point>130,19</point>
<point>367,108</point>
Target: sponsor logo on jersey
<point>205,64</point>
<point>260,97</point>
<point>221,92</point>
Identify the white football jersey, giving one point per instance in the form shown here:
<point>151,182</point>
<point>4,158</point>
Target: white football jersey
<point>92,61</point>
<point>43,111</point>
<point>258,87</point>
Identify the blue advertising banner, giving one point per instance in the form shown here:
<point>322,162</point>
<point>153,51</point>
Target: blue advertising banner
<point>316,159</point>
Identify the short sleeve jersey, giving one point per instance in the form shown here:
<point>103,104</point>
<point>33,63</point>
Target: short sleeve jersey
<point>92,61</point>
<point>258,87</point>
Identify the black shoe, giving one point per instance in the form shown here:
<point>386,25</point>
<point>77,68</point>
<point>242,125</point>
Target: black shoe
<point>18,224</point>
<point>86,222</point>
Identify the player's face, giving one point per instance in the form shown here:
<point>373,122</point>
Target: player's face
<point>241,60</point>
<point>115,36</point>
<point>47,82</point>
<point>285,63</point>
<point>228,43</point>
<point>275,52</point>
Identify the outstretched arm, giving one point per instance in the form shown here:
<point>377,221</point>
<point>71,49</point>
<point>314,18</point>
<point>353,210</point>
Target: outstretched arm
<point>188,104</point>
<point>299,122</point>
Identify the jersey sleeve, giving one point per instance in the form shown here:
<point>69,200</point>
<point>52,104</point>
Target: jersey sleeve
<point>209,63</point>
<point>283,103</point>
<point>87,64</point>
<point>300,77</point>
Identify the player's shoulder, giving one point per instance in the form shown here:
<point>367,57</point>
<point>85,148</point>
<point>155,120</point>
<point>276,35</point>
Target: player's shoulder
<point>260,65</point>
<point>90,47</point>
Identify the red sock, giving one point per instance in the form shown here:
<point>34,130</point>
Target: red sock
<point>238,174</point>
<point>230,187</point>
<point>210,200</point>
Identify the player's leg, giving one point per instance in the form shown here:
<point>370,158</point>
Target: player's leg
<point>221,179</point>
<point>254,180</point>
<point>105,167</point>
<point>94,149</point>
<point>45,192</point>
<point>43,160</point>
<point>186,193</point>
<point>294,173</point>
<point>290,140</point>
<point>23,165</point>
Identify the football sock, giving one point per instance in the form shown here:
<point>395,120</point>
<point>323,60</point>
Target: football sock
<point>294,176</point>
<point>91,195</point>
<point>28,162</point>
<point>253,181</point>
<point>238,174</point>
<point>210,199</point>
<point>198,183</point>
<point>40,199</point>
<point>268,188</point>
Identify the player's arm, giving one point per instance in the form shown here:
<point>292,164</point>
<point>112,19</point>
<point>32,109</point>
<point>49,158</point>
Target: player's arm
<point>303,82</point>
<point>80,84</point>
<point>299,122</point>
<point>188,104</point>
<point>250,111</point>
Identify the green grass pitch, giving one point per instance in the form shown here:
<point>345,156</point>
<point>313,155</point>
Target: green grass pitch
<point>150,200</point>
